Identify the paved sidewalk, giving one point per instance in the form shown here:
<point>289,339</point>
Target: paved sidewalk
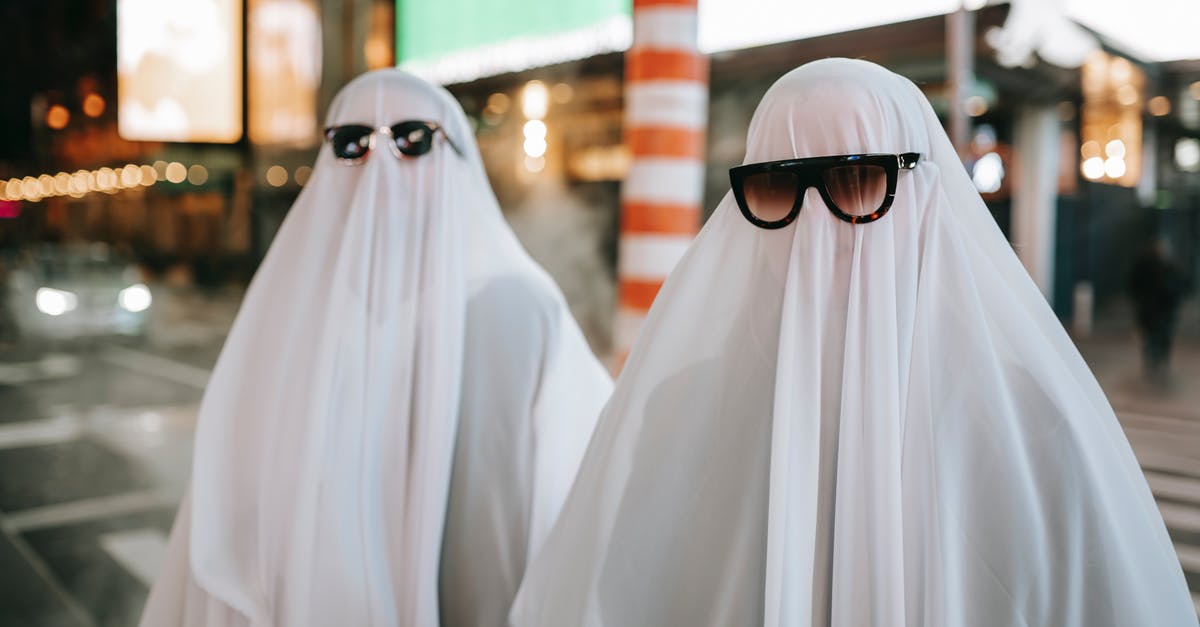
<point>1114,353</point>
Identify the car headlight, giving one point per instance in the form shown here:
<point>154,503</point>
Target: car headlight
<point>54,302</point>
<point>135,298</point>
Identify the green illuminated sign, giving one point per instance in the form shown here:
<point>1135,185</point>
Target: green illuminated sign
<point>429,29</point>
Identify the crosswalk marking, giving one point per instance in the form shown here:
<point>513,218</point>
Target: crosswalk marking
<point>87,509</point>
<point>157,367</point>
<point>1180,517</point>
<point>139,551</point>
<point>1173,486</point>
<point>40,432</point>
<point>1161,424</point>
<point>1152,459</point>
<point>1189,557</point>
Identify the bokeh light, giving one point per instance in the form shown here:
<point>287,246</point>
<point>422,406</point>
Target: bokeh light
<point>58,117</point>
<point>197,174</point>
<point>175,172</point>
<point>93,105</point>
<point>277,176</point>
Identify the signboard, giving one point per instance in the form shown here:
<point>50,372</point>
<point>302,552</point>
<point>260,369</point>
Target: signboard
<point>179,70</point>
<point>284,41</point>
<point>459,40</point>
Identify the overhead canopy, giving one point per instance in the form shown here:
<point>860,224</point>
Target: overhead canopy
<point>461,40</point>
<point>1152,30</point>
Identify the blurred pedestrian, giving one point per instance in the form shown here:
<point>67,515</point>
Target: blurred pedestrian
<point>850,406</point>
<point>400,407</point>
<point>1158,286</point>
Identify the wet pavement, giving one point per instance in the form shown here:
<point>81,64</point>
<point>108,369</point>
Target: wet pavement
<point>95,449</point>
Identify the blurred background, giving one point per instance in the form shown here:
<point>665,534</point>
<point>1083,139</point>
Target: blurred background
<point>149,150</point>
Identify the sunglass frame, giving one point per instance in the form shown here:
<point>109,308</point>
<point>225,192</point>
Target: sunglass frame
<point>809,173</point>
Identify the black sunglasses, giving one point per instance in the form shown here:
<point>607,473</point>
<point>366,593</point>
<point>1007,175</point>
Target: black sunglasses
<point>412,138</point>
<point>856,188</point>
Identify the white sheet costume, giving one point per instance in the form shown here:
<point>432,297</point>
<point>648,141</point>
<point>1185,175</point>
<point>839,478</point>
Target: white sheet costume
<point>400,406</point>
<point>837,425</point>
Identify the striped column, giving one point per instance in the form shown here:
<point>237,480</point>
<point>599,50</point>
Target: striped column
<point>666,112</point>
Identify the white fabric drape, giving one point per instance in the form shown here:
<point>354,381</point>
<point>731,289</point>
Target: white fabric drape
<point>347,401</point>
<point>852,426</point>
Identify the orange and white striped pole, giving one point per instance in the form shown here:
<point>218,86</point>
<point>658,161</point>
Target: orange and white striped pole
<point>666,113</point>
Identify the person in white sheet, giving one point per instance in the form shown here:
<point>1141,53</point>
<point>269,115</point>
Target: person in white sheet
<point>401,404</point>
<point>851,407</point>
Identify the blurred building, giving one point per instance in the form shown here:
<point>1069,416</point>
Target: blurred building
<point>1081,147</point>
<point>178,130</point>
<point>183,129</point>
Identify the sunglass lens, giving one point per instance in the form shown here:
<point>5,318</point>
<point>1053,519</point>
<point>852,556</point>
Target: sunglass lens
<point>350,142</point>
<point>413,138</point>
<point>770,196</point>
<point>857,190</point>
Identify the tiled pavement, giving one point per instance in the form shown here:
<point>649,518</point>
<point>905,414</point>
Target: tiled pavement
<point>95,450</point>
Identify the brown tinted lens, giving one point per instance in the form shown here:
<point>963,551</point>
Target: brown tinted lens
<point>856,189</point>
<point>770,196</point>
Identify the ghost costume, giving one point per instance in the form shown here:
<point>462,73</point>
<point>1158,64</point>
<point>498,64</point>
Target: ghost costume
<point>399,409</point>
<point>856,425</point>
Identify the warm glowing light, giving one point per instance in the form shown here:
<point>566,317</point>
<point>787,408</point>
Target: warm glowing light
<point>303,173</point>
<point>1120,70</point>
<point>562,93</point>
<point>535,164</point>
<point>1114,167</point>
<point>378,53</point>
<point>975,106</point>
<point>1159,106</point>
<point>535,129</point>
<point>149,175</point>
<point>79,183</point>
<point>534,100</point>
<point>1127,95</point>
<point>131,176</point>
<point>13,189</point>
<point>277,176</point>
<point>498,103</point>
<point>535,147</point>
<point>1115,148</point>
<point>58,117</point>
<point>1194,90</point>
<point>160,170</point>
<point>93,105</point>
<point>197,174</point>
<point>175,172</point>
<point>31,190</point>
<point>46,182</point>
<point>1093,168</point>
<point>62,183</point>
<point>106,179</point>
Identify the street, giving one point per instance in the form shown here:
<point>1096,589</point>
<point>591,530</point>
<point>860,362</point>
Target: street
<point>95,448</point>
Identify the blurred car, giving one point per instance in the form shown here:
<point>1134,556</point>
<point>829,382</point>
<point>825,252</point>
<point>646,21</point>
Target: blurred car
<point>65,293</point>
